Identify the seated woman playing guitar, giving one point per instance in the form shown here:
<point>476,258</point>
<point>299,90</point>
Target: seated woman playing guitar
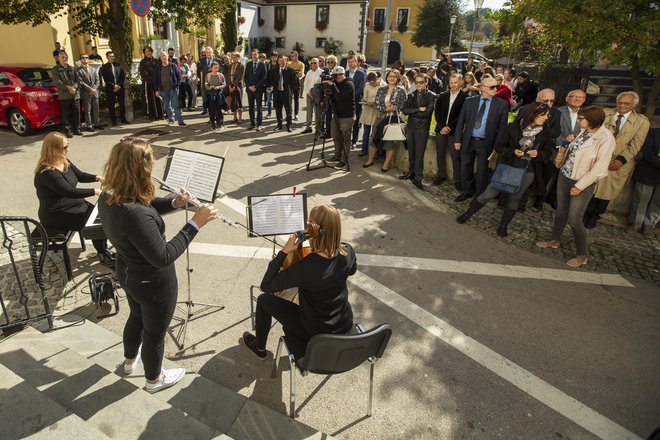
<point>321,280</point>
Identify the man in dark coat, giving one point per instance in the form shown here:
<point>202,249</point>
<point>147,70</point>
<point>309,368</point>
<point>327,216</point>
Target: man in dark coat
<point>112,74</point>
<point>255,80</point>
<point>283,80</point>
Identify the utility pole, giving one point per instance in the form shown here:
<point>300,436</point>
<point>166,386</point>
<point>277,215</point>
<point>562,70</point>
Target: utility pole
<point>386,39</point>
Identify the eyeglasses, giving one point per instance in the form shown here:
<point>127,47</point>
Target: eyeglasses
<point>575,97</point>
<point>331,62</point>
<point>548,101</point>
<point>491,87</point>
<point>420,82</point>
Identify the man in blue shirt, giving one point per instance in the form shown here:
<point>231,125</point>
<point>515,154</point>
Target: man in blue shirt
<point>480,120</point>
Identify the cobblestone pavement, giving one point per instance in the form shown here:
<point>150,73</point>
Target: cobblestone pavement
<point>611,248</point>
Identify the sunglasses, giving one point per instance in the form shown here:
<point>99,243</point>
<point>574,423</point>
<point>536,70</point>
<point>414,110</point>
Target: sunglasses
<point>313,63</point>
<point>491,87</point>
<point>66,147</point>
<point>420,82</point>
<point>548,101</point>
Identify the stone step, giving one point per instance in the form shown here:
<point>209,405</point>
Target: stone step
<point>108,403</point>
<point>27,413</point>
<point>213,404</point>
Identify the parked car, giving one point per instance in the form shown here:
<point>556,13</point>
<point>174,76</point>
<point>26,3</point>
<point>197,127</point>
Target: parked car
<point>460,58</point>
<point>28,98</point>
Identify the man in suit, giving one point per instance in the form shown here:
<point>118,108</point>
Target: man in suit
<point>359,78</point>
<point>630,129</point>
<point>65,78</point>
<point>205,67</point>
<point>447,108</point>
<point>153,105</point>
<point>113,76</point>
<point>89,92</point>
<point>480,121</point>
<point>255,79</point>
<point>282,79</point>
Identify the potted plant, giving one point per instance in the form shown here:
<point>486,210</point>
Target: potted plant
<point>402,27</point>
<point>321,26</point>
<point>279,25</point>
<point>241,19</point>
<point>261,21</point>
<point>379,27</point>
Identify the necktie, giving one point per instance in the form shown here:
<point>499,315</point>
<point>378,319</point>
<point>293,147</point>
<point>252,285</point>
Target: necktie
<point>254,68</point>
<point>281,85</point>
<point>619,118</point>
<point>114,73</point>
<point>480,114</point>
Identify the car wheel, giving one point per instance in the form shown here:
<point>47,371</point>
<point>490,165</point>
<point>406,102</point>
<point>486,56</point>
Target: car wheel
<point>19,123</point>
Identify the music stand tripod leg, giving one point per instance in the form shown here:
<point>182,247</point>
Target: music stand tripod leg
<point>189,315</point>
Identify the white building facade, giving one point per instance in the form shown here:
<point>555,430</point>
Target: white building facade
<point>308,23</point>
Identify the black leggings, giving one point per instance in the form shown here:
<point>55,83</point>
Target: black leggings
<point>288,314</point>
<point>152,300</point>
<point>74,222</point>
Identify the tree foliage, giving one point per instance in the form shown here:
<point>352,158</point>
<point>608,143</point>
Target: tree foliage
<point>229,29</point>
<point>433,24</point>
<point>332,46</point>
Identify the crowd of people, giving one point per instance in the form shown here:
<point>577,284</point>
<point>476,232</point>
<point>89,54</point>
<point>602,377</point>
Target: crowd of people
<point>474,110</point>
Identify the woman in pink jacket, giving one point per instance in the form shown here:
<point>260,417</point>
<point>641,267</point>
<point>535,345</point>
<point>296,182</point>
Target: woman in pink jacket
<point>581,164</point>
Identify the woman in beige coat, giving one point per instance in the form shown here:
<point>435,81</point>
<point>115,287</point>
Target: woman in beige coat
<point>369,113</point>
<point>581,165</point>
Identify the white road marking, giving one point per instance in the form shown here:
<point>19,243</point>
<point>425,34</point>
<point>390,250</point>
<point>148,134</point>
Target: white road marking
<point>547,394</point>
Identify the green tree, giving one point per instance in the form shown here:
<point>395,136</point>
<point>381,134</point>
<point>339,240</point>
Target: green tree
<point>111,19</point>
<point>619,31</point>
<point>332,46</point>
<point>433,24</point>
<point>229,29</point>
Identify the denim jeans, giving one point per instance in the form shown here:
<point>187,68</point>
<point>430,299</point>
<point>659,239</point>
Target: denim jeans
<point>171,101</point>
<point>570,209</point>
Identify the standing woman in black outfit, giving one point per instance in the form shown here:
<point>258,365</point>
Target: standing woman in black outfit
<point>61,204</point>
<point>131,218</point>
<point>525,143</point>
<point>321,280</point>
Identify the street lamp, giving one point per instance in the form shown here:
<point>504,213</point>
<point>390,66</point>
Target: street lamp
<point>452,21</point>
<point>477,5</point>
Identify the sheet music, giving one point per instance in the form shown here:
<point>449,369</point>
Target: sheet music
<point>277,214</point>
<point>197,172</point>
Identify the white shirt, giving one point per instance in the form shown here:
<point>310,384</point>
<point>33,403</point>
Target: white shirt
<point>452,98</point>
<point>312,77</point>
<point>623,120</point>
<point>573,117</point>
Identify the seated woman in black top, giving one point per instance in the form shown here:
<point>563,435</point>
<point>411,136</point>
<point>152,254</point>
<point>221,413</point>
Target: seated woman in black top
<point>525,143</point>
<point>321,279</point>
<point>130,215</point>
<point>61,204</point>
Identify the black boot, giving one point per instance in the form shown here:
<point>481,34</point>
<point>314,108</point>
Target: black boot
<point>507,216</point>
<point>474,207</point>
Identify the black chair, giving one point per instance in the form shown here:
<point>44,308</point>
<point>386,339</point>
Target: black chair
<point>58,240</point>
<point>333,354</point>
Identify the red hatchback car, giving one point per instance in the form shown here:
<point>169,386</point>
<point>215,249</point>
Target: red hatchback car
<point>28,98</point>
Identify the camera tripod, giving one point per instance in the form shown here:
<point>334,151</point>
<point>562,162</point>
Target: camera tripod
<point>326,106</point>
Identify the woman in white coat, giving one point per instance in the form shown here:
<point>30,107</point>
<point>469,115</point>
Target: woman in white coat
<point>581,165</point>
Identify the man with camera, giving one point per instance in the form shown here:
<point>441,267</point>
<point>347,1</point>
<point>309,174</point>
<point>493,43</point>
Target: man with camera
<point>343,98</point>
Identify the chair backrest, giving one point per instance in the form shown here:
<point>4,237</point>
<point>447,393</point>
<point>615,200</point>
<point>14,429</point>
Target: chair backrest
<point>331,354</point>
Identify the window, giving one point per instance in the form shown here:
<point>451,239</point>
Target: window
<point>238,9</point>
<point>280,14</point>
<point>160,29</point>
<point>4,80</point>
<point>320,42</point>
<point>280,42</point>
<point>402,16</point>
<point>322,14</point>
<point>379,16</point>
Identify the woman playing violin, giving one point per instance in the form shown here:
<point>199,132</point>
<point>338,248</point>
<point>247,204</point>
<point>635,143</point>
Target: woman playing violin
<point>321,280</point>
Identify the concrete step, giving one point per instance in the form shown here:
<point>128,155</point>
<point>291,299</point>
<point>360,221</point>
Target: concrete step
<point>108,403</point>
<point>27,413</point>
<point>209,402</point>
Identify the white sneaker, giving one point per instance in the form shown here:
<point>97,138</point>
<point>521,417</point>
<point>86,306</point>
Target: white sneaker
<point>129,368</point>
<point>166,380</point>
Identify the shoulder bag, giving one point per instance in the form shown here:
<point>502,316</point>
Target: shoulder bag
<point>508,179</point>
<point>395,131</point>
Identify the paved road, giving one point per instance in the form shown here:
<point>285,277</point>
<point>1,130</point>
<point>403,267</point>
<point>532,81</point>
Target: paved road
<point>490,341</point>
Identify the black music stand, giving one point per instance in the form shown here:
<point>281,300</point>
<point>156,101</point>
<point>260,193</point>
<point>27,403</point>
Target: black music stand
<point>200,174</point>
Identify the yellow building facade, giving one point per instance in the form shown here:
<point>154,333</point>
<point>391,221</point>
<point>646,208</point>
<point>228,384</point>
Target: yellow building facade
<point>25,44</point>
<point>403,19</point>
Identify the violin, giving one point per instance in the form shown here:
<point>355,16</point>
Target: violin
<point>311,231</point>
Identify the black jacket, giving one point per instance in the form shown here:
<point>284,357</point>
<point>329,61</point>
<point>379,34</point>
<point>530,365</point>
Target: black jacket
<point>647,169</point>
<point>288,79</point>
<point>105,72</point>
<point>343,95</point>
<point>419,120</point>
<point>59,198</point>
<point>442,108</point>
